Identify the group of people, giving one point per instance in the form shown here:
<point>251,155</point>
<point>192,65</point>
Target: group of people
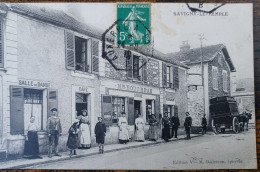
<point>79,132</point>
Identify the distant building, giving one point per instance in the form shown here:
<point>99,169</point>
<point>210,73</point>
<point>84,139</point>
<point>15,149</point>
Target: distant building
<point>244,95</point>
<point>217,68</point>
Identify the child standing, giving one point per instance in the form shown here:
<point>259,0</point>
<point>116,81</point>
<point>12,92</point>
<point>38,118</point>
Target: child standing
<point>100,131</point>
<point>72,142</point>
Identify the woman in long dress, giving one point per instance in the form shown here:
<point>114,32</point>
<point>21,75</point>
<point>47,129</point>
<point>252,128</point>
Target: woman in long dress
<point>139,123</point>
<point>31,148</point>
<point>153,128</point>
<point>123,129</point>
<point>85,139</point>
<point>166,127</point>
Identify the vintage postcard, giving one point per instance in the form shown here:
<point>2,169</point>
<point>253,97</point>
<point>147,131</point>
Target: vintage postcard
<point>140,86</point>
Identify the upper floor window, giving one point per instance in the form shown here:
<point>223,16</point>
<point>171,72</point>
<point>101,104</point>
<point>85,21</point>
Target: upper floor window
<point>136,66</point>
<point>81,54</point>
<point>170,76</point>
<point>215,77</point>
<point>225,82</point>
<point>1,45</point>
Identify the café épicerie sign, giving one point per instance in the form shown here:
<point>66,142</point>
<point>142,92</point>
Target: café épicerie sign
<point>33,83</point>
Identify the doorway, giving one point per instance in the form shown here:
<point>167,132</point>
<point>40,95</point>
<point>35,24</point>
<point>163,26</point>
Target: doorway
<point>137,108</point>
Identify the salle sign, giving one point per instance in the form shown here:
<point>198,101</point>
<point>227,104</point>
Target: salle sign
<point>33,83</point>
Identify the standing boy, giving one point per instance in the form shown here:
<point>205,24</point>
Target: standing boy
<point>100,131</point>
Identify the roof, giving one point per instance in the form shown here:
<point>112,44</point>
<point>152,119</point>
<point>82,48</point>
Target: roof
<point>60,18</point>
<point>245,85</point>
<point>193,56</point>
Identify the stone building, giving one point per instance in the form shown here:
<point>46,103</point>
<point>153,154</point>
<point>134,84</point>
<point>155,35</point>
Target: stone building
<point>217,65</point>
<point>244,95</point>
<point>49,59</point>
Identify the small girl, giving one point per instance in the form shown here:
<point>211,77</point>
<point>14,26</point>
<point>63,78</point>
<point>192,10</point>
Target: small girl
<point>100,131</point>
<point>72,142</point>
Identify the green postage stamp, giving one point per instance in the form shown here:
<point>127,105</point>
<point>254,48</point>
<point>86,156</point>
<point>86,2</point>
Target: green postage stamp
<point>133,27</point>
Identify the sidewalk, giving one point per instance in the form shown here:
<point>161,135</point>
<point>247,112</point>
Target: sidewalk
<point>23,163</point>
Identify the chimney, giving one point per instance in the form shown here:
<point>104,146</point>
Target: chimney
<point>185,46</point>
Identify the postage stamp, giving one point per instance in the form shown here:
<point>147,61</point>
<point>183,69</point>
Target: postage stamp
<point>133,25</point>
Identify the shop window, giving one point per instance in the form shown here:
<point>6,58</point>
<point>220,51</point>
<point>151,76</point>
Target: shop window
<point>118,107</point>
<point>81,103</point>
<point>81,54</point>
<point>149,109</point>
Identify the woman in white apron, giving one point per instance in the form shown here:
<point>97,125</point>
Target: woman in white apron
<point>139,123</point>
<point>123,129</point>
<point>84,139</point>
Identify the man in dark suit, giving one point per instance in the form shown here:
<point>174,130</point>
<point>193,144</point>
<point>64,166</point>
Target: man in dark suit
<point>187,125</point>
<point>204,124</point>
<point>175,125</point>
<point>54,131</point>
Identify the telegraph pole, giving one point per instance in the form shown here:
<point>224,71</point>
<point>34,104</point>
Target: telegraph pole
<point>201,38</point>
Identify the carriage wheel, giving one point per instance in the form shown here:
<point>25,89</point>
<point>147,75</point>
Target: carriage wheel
<point>215,127</point>
<point>235,125</point>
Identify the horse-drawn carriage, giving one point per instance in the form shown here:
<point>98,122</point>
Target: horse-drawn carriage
<point>225,115</point>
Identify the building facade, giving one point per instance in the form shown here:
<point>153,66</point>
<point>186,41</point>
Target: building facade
<point>217,66</point>
<point>244,95</point>
<point>49,59</point>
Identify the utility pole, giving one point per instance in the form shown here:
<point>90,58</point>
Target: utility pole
<point>201,38</point>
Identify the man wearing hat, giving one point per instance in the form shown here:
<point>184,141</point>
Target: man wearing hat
<point>54,131</point>
<point>187,125</point>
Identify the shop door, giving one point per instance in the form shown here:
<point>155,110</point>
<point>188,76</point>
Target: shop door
<point>81,103</point>
<point>33,106</point>
<point>137,108</point>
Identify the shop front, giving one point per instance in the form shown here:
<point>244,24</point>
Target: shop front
<point>133,99</point>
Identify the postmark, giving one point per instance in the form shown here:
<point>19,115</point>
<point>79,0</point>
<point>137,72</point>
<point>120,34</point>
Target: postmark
<point>204,7</point>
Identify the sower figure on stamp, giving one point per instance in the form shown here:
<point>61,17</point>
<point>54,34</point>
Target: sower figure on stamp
<point>187,125</point>
<point>175,125</point>
<point>204,124</point>
<point>54,131</point>
<point>100,131</point>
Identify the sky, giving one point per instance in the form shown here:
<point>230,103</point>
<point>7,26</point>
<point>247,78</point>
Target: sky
<point>235,30</point>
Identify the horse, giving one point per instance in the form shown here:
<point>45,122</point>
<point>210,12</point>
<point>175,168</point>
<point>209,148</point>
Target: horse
<point>244,119</point>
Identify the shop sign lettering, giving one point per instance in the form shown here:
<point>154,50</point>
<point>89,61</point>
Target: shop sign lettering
<point>83,89</point>
<point>32,83</point>
<point>134,88</point>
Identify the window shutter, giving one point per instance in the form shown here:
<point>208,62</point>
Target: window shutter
<point>140,70</point>
<point>157,107</point>
<point>52,100</point>
<point>176,77</point>
<point>129,63</point>
<point>70,50</point>
<point>107,109</point>
<point>1,45</point>
<point>131,115</point>
<point>95,52</point>
<point>164,75</point>
<point>17,110</point>
<point>175,110</point>
<point>145,69</point>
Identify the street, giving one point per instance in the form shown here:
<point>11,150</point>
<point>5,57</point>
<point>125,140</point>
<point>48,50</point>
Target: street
<point>208,152</point>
